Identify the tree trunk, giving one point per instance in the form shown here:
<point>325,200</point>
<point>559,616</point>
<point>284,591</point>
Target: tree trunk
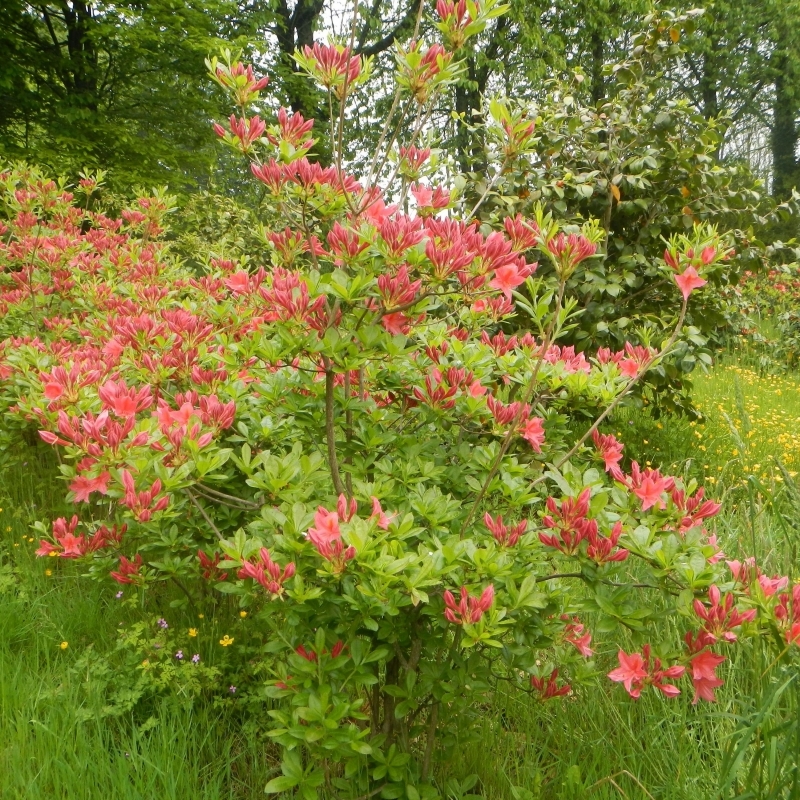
<point>82,55</point>
<point>597,85</point>
<point>784,134</point>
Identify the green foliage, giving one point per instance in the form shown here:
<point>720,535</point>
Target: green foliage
<point>112,86</point>
<point>647,168</point>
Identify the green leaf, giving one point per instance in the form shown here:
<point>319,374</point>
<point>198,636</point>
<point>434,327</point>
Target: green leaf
<point>281,784</point>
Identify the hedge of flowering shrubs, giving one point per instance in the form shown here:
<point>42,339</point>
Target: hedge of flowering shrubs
<point>412,499</point>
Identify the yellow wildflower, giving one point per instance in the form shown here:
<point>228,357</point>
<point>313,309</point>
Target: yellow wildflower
<point>226,640</point>
<point>192,631</point>
<point>64,645</point>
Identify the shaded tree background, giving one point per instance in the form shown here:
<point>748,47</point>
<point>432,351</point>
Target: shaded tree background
<point>122,86</point>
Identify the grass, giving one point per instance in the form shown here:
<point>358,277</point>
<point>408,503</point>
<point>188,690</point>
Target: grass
<point>596,744</point>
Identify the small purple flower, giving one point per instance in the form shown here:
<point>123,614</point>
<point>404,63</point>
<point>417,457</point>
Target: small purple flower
<point>232,689</point>
<point>118,595</point>
<point>196,658</point>
<point>179,655</point>
<point>162,623</point>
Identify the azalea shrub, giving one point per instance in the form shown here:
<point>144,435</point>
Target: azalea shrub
<point>344,450</point>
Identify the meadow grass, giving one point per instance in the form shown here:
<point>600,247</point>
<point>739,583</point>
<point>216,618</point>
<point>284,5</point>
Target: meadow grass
<point>597,743</point>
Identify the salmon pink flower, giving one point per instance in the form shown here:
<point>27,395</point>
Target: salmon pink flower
<point>702,671</point>
<point>638,670</point>
<point>83,486</point>
<point>650,486</point>
<point>396,323</point>
<point>327,539</point>
<point>533,433</point>
<point>429,201</point>
<point>769,586</point>
<point>630,673</point>
<point>611,452</point>
<point>509,276</point>
<point>383,521</point>
<point>688,281</point>
<point>575,635</point>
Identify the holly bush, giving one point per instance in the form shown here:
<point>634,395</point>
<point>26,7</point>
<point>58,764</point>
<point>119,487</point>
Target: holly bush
<point>343,445</point>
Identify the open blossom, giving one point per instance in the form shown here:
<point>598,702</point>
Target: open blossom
<point>650,486</point>
<point>770,586</point>
<point>429,201</point>
<point>124,401</point>
<point>469,609</point>
<point>509,276</point>
<point>610,450</point>
<point>533,433</point>
<point>688,281</point>
<point>630,673</point>
<point>702,666</point>
<point>576,634</point>
<point>83,486</point>
<point>68,545</point>
<point>637,670</point>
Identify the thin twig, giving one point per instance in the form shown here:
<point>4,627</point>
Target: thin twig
<point>205,516</point>
<point>207,489</point>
